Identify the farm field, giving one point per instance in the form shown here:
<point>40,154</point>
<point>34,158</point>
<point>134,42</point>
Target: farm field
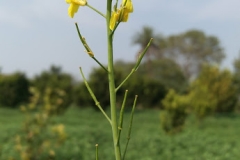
<point>216,138</point>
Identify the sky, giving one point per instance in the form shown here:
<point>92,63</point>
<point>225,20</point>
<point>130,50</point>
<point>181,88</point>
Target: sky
<point>38,33</point>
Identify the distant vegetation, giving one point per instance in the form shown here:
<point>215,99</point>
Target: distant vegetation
<point>181,78</point>
<point>172,63</point>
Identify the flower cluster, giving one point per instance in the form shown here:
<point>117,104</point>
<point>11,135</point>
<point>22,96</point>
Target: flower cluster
<point>122,14</point>
<point>74,5</point>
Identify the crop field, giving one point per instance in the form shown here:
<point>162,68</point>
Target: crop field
<point>215,138</point>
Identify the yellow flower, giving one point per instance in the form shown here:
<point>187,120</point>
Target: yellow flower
<point>128,5</point>
<point>122,14</point>
<point>114,19</point>
<point>74,5</point>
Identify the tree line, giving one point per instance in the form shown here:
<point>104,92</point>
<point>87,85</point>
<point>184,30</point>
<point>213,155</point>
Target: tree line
<point>176,67</point>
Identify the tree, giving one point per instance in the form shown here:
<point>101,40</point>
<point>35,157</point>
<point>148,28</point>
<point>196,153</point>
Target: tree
<point>192,49</point>
<point>236,65</point>
<point>57,81</point>
<point>14,89</point>
<point>150,89</point>
<point>165,71</point>
<point>142,38</point>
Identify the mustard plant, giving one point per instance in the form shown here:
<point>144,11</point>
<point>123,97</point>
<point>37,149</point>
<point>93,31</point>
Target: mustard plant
<point>39,137</point>
<point>115,14</point>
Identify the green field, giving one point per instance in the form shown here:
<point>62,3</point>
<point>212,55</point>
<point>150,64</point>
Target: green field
<point>216,138</point>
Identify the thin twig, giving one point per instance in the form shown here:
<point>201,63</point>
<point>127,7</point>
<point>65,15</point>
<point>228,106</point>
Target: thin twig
<point>88,49</point>
<point>120,124</point>
<point>96,151</point>
<point>94,97</point>
<point>136,65</point>
<point>96,10</point>
<point>130,127</point>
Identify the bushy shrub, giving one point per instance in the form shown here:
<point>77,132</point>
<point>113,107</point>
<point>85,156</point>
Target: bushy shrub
<point>203,103</point>
<point>14,89</point>
<point>174,112</point>
<point>213,91</point>
<point>39,136</point>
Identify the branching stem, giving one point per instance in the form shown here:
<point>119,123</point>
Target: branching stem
<point>94,97</point>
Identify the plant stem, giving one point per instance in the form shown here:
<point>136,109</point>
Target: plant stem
<point>112,83</point>
<point>96,151</point>
<point>136,65</point>
<point>130,127</point>
<point>86,46</point>
<point>96,10</point>
<point>94,97</point>
<point>120,124</point>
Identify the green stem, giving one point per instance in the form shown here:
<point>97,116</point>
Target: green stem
<point>96,10</point>
<point>136,65</point>
<point>130,127</point>
<point>94,97</point>
<point>120,124</point>
<point>128,76</point>
<point>99,64</point>
<point>96,151</point>
<point>88,49</point>
<point>112,83</point>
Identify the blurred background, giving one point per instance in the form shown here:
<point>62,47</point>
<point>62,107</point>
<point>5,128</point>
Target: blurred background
<point>188,83</point>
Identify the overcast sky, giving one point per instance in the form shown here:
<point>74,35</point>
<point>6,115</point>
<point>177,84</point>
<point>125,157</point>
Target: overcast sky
<point>37,33</point>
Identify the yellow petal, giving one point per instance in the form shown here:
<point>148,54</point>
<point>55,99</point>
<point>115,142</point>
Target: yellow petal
<point>69,1</point>
<point>73,8</point>
<point>129,6</point>
<point>123,2</point>
<point>125,16</point>
<point>113,20</point>
<point>80,2</point>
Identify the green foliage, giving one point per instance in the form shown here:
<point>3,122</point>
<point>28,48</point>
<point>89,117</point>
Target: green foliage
<point>149,91</point>
<point>215,139</point>
<point>98,81</point>
<point>175,112</point>
<point>14,89</point>
<point>213,91</point>
<point>165,71</point>
<point>39,137</point>
<point>236,76</point>
<point>142,38</point>
<point>189,50</point>
<point>194,48</point>
<point>203,103</point>
<point>151,81</point>
<point>81,96</point>
<point>58,82</point>
<point>236,80</point>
